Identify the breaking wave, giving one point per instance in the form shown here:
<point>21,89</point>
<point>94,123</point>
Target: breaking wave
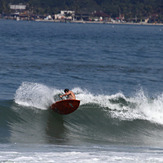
<point>140,106</point>
<point>100,118</point>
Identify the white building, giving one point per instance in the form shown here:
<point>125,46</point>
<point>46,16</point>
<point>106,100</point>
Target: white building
<point>18,7</point>
<point>65,14</point>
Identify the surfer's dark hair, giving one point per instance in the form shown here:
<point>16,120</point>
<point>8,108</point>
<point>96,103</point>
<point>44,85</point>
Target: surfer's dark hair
<point>66,90</point>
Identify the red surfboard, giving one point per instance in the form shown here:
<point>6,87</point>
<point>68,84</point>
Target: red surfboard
<point>65,106</point>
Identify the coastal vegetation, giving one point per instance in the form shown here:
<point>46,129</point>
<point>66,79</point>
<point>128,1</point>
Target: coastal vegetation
<point>138,9</point>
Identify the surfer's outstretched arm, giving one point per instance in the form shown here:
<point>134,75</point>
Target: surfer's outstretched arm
<point>68,93</point>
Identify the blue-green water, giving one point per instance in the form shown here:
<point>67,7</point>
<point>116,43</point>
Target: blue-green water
<point>116,71</point>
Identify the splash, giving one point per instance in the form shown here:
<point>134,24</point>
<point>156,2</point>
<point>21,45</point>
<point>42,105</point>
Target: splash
<point>150,109</point>
<point>34,95</point>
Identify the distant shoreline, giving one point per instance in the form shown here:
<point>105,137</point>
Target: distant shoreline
<point>97,22</point>
<point>90,22</point>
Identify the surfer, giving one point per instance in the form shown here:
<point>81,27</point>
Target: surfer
<point>69,94</point>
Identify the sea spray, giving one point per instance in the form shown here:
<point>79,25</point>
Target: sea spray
<point>34,95</point>
<point>150,108</point>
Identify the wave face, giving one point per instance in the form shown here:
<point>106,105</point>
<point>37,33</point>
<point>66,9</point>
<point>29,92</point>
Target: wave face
<point>108,119</point>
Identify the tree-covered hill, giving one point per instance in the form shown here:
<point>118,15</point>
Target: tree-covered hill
<point>129,8</point>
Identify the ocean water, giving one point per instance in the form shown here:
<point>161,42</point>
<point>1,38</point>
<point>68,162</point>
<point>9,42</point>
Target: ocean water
<point>116,71</point>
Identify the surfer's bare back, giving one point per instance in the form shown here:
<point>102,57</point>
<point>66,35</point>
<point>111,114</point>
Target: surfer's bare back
<point>68,93</point>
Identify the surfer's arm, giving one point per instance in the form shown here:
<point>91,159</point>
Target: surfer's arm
<point>64,94</point>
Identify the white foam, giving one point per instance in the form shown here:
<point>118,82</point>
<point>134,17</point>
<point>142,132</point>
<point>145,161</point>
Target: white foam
<point>35,95</point>
<point>140,106</point>
<point>87,156</point>
<point>151,109</point>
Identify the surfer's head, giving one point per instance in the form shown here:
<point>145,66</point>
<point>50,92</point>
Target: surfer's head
<point>66,90</point>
